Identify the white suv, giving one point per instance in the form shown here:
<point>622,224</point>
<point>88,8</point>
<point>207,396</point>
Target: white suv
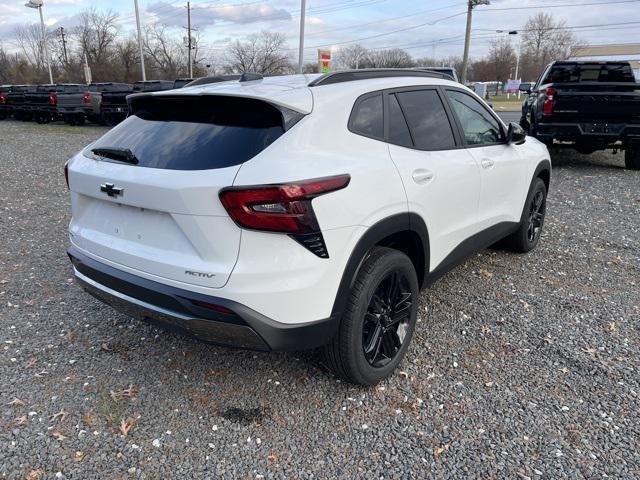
<point>296,212</point>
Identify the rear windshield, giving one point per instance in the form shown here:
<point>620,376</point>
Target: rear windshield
<point>151,86</point>
<point>589,72</point>
<point>195,133</point>
<point>68,88</point>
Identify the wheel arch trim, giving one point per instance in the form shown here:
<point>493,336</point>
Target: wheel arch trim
<point>398,223</point>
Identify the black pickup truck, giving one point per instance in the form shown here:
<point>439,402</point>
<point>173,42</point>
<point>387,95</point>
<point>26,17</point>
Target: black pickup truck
<point>114,104</point>
<point>588,106</point>
<point>16,101</point>
<point>5,110</point>
<point>86,103</point>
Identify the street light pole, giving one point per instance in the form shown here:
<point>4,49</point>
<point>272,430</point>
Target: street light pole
<point>303,8</point>
<point>144,72</point>
<point>38,5</point>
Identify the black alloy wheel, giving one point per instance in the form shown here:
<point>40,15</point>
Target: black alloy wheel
<point>536,216</point>
<point>386,321</point>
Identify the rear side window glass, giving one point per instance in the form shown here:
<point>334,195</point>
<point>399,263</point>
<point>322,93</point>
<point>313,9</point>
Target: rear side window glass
<point>398,128</point>
<point>427,119</point>
<point>367,118</point>
<point>197,133</point>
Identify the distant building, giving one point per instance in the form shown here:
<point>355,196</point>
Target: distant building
<point>629,52</point>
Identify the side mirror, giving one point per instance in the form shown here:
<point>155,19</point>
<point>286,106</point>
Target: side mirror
<point>516,134</point>
<point>525,87</point>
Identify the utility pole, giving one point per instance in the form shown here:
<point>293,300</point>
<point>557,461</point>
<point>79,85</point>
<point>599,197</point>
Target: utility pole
<point>471,4</point>
<point>303,11</point>
<point>189,38</point>
<point>144,72</point>
<point>64,45</point>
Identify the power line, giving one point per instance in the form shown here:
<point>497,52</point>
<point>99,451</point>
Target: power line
<point>531,7</point>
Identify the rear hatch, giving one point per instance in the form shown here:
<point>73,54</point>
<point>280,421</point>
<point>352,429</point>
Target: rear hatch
<point>145,195</point>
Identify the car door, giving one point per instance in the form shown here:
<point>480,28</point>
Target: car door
<point>502,167</point>
<point>441,180</point>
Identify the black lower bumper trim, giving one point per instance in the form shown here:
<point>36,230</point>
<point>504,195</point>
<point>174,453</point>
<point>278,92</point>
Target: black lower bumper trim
<point>236,325</point>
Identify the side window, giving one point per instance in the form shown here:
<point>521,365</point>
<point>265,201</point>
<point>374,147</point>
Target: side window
<point>367,117</point>
<point>427,119</point>
<point>478,125</point>
<point>398,128</point>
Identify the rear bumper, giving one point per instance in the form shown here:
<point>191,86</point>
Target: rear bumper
<point>121,110</point>
<point>233,325</point>
<point>75,109</point>
<point>596,133</point>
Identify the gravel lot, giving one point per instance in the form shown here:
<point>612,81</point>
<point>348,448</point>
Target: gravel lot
<point>521,367</point>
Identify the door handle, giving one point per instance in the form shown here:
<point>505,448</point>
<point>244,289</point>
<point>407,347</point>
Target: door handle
<point>487,163</point>
<point>422,176</point>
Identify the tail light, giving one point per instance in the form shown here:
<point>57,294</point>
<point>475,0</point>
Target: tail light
<point>53,98</point>
<point>3,98</point>
<point>86,98</point>
<point>66,173</point>
<point>283,208</point>
<point>547,106</point>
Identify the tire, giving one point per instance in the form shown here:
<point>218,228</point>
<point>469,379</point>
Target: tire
<point>529,230</point>
<point>80,120</point>
<point>370,321</point>
<point>632,159</point>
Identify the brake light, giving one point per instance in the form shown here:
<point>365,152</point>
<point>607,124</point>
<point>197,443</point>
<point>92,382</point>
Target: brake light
<point>547,106</point>
<point>66,173</point>
<point>282,208</point>
<point>86,98</point>
<point>53,98</point>
<point>3,98</point>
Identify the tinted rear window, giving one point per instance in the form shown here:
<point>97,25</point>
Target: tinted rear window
<point>195,133</point>
<point>589,72</point>
<point>427,119</point>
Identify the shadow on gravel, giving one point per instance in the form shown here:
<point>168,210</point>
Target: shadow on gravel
<point>566,157</point>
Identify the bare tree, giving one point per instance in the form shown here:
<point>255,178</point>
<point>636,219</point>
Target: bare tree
<point>501,59</point>
<point>96,35</point>
<point>351,57</point>
<point>28,39</point>
<point>543,41</point>
<point>391,58</point>
<point>262,53</point>
<point>166,53</point>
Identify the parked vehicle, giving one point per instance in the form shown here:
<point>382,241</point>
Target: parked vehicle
<point>16,101</point>
<point>588,106</point>
<point>113,108</point>
<point>43,102</point>
<point>349,193</point>
<point>450,71</point>
<point>86,103</point>
<point>5,110</point>
<point>181,82</point>
<point>114,104</point>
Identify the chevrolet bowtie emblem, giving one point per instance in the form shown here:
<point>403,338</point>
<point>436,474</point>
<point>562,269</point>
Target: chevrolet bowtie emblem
<point>111,190</point>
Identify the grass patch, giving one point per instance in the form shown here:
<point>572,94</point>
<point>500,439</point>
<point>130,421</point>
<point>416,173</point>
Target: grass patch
<point>114,411</point>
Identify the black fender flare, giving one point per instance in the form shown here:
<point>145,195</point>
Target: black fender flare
<point>401,222</point>
<point>543,166</point>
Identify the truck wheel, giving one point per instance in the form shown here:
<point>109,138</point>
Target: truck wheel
<point>80,120</point>
<point>378,322</point>
<point>528,234</point>
<point>632,159</point>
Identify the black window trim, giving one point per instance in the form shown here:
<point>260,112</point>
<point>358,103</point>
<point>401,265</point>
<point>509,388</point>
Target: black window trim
<point>354,109</point>
<point>458,143</point>
<point>501,125</point>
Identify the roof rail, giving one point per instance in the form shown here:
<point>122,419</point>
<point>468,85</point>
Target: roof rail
<point>249,77</point>
<point>368,73</point>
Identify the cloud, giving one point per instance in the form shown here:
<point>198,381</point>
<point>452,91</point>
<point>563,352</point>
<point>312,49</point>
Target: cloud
<point>201,15</point>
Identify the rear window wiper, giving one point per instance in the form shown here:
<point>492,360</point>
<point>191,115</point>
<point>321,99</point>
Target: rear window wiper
<point>115,153</point>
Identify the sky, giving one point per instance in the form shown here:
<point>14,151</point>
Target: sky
<point>424,28</point>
